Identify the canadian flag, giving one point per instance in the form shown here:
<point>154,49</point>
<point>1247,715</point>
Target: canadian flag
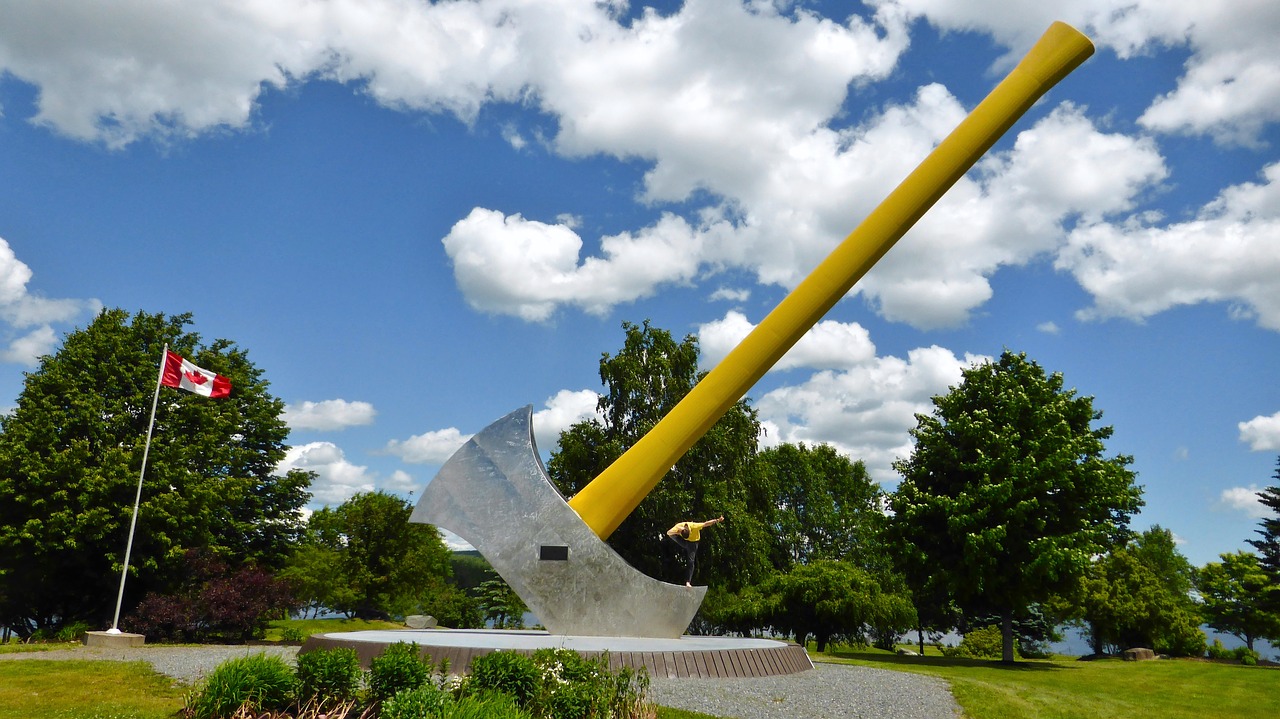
<point>180,373</point>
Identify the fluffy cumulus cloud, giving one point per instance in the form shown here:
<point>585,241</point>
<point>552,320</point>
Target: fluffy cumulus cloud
<point>434,447</point>
<point>565,409</point>
<point>29,317</point>
<point>337,479</point>
<point>1230,87</point>
<point>1244,499</point>
<point>1262,433</point>
<point>828,345</point>
<point>865,411</point>
<point>329,414</point>
<point>507,264</point>
<point>1227,253</point>
<point>737,110</point>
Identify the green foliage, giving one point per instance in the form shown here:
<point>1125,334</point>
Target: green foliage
<point>71,451</point>
<point>1007,494</point>
<point>423,702</point>
<point>1268,545</point>
<point>329,676</point>
<point>1236,597</point>
<point>984,643</point>
<point>490,705</point>
<point>834,600</point>
<point>257,682</point>
<point>508,672</point>
<point>214,604</point>
<point>500,604</point>
<point>400,667</point>
<point>366,559</point>
<point>1138,596</point>
<point>1217,651</point>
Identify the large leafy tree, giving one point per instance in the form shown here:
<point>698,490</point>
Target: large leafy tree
<point>1139,595</point>
<point>644,380</point>
<point>71,451</point>
<point>827,506</point>
<point>373,560</point>
<point>1268,545</point>
<point>1007,494</point>
<point>832,600</point>
<point>1235,593</point>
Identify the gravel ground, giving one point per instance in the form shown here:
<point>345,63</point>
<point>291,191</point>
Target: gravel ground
<point>829,691</point>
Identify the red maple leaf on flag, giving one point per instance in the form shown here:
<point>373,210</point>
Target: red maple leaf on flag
<point>195,377</point>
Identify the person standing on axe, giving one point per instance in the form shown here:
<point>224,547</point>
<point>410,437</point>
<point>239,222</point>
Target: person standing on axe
<point>686,535</point>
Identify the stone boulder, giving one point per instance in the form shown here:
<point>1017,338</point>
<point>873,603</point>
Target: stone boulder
<point>1138,654</point>
<point>420,621</point>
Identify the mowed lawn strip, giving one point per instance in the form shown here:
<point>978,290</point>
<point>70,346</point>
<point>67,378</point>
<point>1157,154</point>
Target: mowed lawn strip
<point>42,689</point>
<point>1066,688</point>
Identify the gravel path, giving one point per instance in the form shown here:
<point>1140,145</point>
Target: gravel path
<point>829,691</point>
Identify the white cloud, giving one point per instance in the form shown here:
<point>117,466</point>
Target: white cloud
<point>1244,500</point>
<point>1231,87</point>
<point>867,411</point>
<point>510,265</point>
<point>337,479</point>
<point>20,310</point>
<point>28,349</point>
<point>433,447</point>
<point>563,410</point>
<point>1227,253</point>
<point>730,294</point>
<point>1049,328</point>
<point>1262,433</point>
<point>828,345</point>
<point>329,414</point>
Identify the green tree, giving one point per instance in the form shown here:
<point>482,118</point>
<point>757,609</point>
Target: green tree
<point>1007,494</point>
<point>500,604</point>
<point>378,561</point>
<point>644,380</point>
<point>1269,545</point>
<point>832,600</point>
<point>1138,595</point>
<point>70,454</point>
<point>1235,593</point>
<point>827,506</point>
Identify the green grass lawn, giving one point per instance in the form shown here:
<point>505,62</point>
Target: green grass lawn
<point>1065,688</point>
<point>40,689</point>
<point>307,627</point>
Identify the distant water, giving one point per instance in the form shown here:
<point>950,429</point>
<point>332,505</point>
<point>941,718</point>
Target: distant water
<point>1073,643</point>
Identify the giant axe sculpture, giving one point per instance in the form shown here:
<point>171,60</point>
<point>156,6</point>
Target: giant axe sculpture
<point>494,492</point>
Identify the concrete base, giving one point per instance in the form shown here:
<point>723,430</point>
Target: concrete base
<point>688,656</point>
<point>113,639</point>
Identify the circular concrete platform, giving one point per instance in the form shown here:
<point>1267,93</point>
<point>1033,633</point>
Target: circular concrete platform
<point>688,656</point>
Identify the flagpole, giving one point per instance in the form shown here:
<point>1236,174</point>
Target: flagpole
<point>133,523</point>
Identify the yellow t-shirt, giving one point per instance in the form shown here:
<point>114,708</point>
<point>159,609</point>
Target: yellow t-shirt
<point>695,530</point>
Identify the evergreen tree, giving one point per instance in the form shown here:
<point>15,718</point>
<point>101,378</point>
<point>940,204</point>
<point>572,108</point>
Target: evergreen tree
<point>1269,545</point>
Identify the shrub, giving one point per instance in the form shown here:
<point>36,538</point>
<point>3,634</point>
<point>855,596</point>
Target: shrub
<point>424,702</point>
<point>398,668</point>
<point>329,676</point>
<point>1217,651</point>
<point>573,687</point>
<point>508,672</point>
<point>257,682</point>
<point>292,635</point>
<point>215,604</point>
<point>985,643</point>
<point>489,705</point>
<point>1247,656</point>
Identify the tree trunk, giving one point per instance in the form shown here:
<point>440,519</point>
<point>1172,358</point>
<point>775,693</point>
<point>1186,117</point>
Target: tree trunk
<point>1006,634</point>
<point>920,636</point>
<point>822,642</point>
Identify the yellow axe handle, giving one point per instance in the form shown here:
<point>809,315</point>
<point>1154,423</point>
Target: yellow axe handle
<point>620,488</point>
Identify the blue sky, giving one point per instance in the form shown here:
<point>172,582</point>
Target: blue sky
<point>418,217</point>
